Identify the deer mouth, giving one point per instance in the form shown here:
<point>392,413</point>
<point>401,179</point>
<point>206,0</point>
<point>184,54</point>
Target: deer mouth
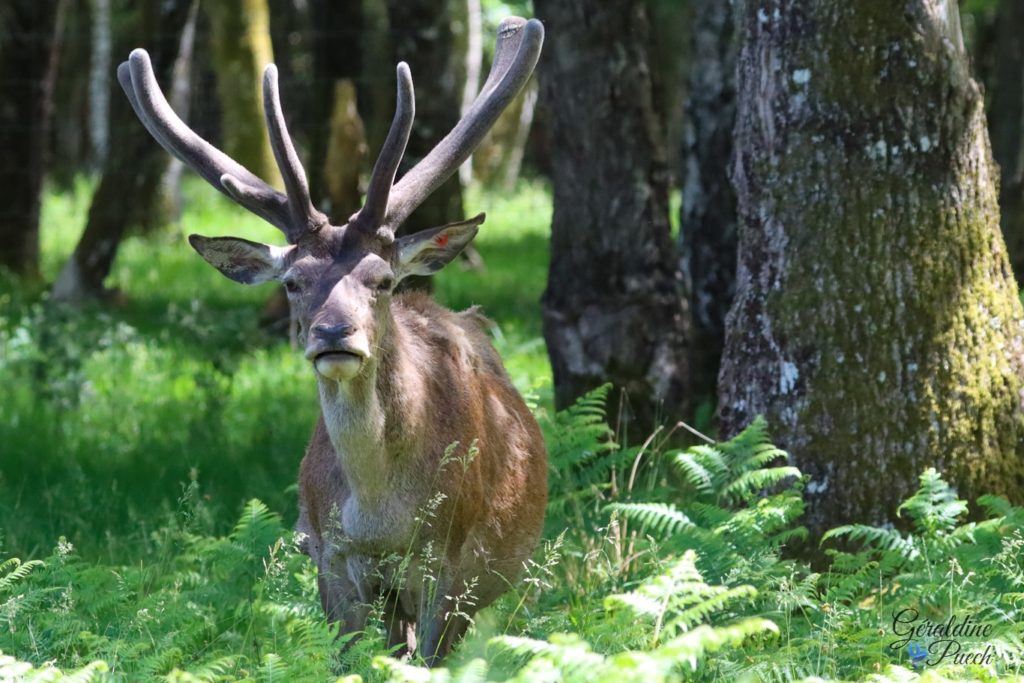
<point>337,364</point>
<point>340,355</point>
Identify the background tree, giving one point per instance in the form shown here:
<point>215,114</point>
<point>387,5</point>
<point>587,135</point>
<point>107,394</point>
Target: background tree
<point>134,165</point>
<point>613,308</point>
<point>29,49</point>
<point>337,42</point>
<point>1006,124</point>
<point>240,49</point>
<point>431,35</point>
<point>876,322</point>
<point>707,214</point>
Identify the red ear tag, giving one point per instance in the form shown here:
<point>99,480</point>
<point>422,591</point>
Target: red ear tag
<point>441,239</point>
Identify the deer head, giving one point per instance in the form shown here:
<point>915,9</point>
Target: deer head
<point>339,278</point>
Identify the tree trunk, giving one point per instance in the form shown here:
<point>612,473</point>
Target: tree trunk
<point>707,215</point>
<point>474,63</point>
<point>100,68</point>
<point>180,99</point>
<point>241,48</point>
<point>669,52</point>
<point>134,164</point>
<point>1006,124</point>
<point>338,42</point>
<point>28,41</point>
<point>517,150</point>
<point>876,322</point>
<point>346,151</point>
<point>613,310</point>
<point>498,158</point>
<point>425,34</point>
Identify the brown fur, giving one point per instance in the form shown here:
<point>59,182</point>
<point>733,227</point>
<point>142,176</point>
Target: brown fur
<point>492,514</point>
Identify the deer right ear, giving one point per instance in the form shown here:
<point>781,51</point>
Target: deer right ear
<point>241,260</point>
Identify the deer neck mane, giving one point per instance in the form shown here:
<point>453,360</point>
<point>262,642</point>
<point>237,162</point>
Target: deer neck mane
<point>375,420</point>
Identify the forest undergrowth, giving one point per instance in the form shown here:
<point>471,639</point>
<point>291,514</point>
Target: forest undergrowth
<point>149,445</point>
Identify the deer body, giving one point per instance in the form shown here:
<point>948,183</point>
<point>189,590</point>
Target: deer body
<point>377,453</point>
<point>423,488</point>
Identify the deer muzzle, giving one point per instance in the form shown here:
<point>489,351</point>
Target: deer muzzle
<point>338,362</point>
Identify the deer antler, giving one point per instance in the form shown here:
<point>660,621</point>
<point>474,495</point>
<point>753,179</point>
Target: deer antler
<point>387,206</point>
<point>383,177</point>
<point>293,213</point>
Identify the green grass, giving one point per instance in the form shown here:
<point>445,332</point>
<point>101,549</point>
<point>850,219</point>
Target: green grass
<point>108,413</point>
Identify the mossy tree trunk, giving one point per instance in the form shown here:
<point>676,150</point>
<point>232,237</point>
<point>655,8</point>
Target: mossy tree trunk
<point>613,308</point>
<point>876,322</point>
<point>707,213</point>
<point>241,48</point>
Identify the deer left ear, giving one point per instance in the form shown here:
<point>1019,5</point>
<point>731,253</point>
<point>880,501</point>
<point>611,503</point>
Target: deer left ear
<point>241,260</point>
<point>428,251</point>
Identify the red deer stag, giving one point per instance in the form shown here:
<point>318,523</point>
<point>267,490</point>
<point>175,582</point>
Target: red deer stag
<point>423,487</point>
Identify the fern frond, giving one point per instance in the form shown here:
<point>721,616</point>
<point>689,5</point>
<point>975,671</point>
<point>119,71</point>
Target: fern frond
<point>660,518</point>
<point>13,570</point>
<point>748,484</point>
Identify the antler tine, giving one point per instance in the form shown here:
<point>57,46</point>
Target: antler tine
<point>228,176</point>
<point>383,177</point>
<point>305,216</point>
<point>516,54</point>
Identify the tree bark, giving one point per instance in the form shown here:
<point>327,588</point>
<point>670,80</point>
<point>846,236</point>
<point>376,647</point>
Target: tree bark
<point>424,33</point>
<point>338,42</point>
<point>876,322</point>
<point>474,63</point>
<point>135,162</point>
<point>1006,125</point>
<point>613,309</point>
<point>28,38</point>
<point>100,67</point>
<point>241,48</point>
<point>707,215</point>
<point>180,99</point>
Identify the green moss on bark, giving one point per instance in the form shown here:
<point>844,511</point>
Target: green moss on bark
<point>877,324</point>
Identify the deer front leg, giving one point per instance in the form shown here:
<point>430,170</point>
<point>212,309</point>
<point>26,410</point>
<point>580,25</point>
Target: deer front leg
<point>339,594</point>
<point>444,616</point>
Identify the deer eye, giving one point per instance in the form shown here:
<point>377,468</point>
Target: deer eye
<point>386,284</point>
<point>292,286</point>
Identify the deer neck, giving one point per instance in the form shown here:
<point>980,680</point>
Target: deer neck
<point>373,420</point>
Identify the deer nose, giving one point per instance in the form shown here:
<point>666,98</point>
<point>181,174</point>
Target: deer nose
<point>338,331</point>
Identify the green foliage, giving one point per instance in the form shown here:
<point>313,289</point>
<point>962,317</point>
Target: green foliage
<point>134,438</point>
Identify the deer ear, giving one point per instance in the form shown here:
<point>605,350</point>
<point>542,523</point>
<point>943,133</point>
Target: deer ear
<point>428,251</point>
<point>241,260</point>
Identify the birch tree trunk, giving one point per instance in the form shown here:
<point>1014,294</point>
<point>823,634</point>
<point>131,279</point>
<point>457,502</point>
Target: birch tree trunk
<point>876,322</point>
<point>707,214</point>
<point>474,63</point>
<point>134,164</point>
<point>180,100</point>
<point>100,68</point>
<point>613,310</point>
